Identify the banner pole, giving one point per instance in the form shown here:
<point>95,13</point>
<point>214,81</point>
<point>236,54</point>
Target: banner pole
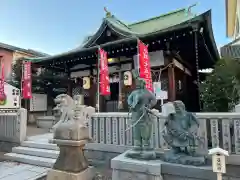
<point>98,81</point>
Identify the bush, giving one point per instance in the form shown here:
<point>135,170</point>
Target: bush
<point>220,90</point>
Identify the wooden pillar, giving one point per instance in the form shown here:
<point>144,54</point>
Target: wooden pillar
<point>171,83</point>
<point>69,88</point>
<point>92,90</point>
<point>120,87</point>
<point>69,85</point>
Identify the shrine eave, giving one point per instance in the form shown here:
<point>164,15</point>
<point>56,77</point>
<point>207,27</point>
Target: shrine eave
<point>82,54</point>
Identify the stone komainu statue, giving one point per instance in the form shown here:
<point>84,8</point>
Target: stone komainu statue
<point>74,118</point>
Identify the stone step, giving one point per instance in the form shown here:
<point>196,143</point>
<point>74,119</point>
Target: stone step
<point>33,160</point>
<point>40,145</point>
<point>45,153</point>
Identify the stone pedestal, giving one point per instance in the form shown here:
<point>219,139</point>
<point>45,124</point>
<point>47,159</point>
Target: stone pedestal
<point>87,174</point>
<point>71,157</point>
<point>71,163</point>
<point>126,168</point>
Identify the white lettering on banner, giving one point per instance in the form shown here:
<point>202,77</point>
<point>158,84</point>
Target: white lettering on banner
<point>27,68</point>
<point>144,64</point>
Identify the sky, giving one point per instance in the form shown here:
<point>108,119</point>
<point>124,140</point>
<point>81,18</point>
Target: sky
<point>56,26</point>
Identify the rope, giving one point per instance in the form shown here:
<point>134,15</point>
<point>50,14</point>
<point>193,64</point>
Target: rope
<point>136,121</point>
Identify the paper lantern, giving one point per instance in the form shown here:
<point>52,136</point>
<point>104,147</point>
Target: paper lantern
<point>127,78</point>
<point>86,83</point>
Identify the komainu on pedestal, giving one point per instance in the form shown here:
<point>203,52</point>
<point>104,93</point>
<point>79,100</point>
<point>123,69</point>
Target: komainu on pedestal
<point>71,133</point>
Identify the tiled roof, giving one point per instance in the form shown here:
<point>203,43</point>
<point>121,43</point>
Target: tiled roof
<point>167,22</point>
<point>143,27</point>
<point>231,50</point>
<point>28,51</point>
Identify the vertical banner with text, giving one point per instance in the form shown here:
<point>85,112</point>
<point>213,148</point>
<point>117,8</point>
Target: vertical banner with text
<point>144,65</point>
<point>2,91</point>
<point>104,74</point>
<point>27,80</point>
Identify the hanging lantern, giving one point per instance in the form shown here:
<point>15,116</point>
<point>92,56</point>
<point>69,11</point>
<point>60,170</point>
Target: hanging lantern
<point>127,78</point>
<point>86,83</point>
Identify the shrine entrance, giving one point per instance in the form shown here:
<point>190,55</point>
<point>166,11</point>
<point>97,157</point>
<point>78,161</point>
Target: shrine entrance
<point>112,100</point>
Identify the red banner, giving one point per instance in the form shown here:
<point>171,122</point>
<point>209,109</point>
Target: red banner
<point>2,79</point>
<point>144,65</point>
<point>104,75</point>
<point>27,80</point>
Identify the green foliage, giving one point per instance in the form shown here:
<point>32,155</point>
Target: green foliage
<point>17,74</point>
<point>221,89</point>
<point>43,82</point>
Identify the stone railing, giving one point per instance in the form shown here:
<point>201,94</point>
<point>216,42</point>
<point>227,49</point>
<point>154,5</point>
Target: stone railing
<point>216,129</point>
<point>13,124</point>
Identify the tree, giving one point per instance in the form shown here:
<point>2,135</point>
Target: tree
<point>220,90</point>
<point>42,81</point>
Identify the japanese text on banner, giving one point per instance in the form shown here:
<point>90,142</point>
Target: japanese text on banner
<point>2,92</point>
<point>27,80</point>
<point>144,65</point>
<point>104,75</point>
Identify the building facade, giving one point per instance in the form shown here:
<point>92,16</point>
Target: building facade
<point>233,18</point>
<point>9,54</point>
<point>232,49</point>
<point>180,43</point>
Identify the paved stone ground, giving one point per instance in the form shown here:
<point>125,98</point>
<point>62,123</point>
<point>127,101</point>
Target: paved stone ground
<point>32,130</point>
<point>103,172</point>
<point>16,171</point>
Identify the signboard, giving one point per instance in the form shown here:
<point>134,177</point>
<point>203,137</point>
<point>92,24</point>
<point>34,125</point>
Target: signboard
<point>159,93</point>
<point>12,100</point>
<point>157,89</point>
<point>219,165</point>
<point>104,74</point>
<point>144,65</point>
<point>38,102</point>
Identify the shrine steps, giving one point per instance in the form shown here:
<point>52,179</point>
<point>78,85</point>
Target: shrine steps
<point>41,154</point>
<point>33,160</point>
<point>34,153</point>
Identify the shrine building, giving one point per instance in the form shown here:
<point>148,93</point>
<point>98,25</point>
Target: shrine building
<point>180,43</point>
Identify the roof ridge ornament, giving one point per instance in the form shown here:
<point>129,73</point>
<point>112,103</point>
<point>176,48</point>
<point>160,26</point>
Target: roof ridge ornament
<point>188,10</point>
<point>108,13</point>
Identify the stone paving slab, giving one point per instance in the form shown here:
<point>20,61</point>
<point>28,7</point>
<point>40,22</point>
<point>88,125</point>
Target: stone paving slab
<point>41,138</point>
<point>17,171</point>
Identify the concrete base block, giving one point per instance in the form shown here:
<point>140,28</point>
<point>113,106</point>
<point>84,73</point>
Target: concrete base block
<point>125,168</point>
<point>87,174</point>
